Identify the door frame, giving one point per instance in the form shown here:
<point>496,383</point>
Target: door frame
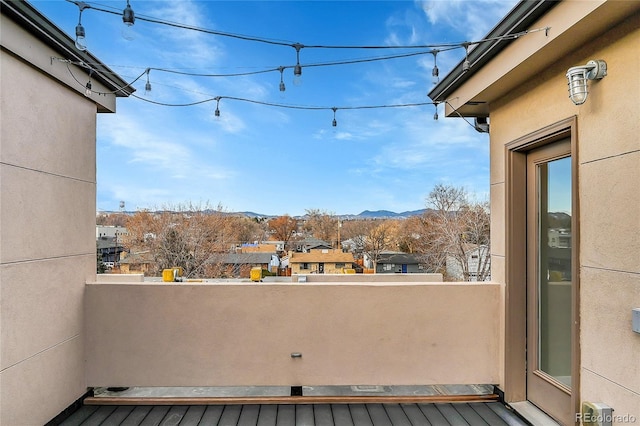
<point>515,356</point>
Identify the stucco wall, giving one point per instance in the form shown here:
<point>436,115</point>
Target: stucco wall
<point>170,334</point>
<point>47,181</point>
<point>609,174</point>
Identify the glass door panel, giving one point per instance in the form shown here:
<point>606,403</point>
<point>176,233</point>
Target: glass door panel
<point>554,269</point>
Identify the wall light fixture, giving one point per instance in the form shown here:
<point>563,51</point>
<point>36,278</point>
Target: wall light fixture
<point>577,78</point>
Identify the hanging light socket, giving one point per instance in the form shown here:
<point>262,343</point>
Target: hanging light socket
<point>81,42</point>
<point>577,78</point>
<point>128,18</point>
<point>297,70</point>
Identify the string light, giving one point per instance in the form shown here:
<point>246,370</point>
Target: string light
<point>81,43</point>
<point>217,111</point>
<point>334,123</point>
<point>128,18</point>
<point>282,86</point>
<point>147,86</point>
<point>435,73</point>
<point>466,64</point>
<point>435,115</point>
<point>297,70</point>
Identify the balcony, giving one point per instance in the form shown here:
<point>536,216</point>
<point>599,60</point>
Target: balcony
<point>388,332</point>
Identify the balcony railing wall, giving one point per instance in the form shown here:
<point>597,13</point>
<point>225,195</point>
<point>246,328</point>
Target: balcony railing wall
<point>212,334</point>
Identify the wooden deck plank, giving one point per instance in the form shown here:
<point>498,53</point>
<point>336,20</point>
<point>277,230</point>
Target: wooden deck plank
<point>488,415</point>
<point>99,416</point>
<point>155,416</point>
<point>360,415</point>
<point>397,415</point>
<point>433,415</point>
<point>441,414</point>
<point>452,415</point>
<point>322,415</point>
<point>117,416</point>
<point>212,415</point>
<point>230,415</point>
<point>286,415</point>
<point>341,415</point>
<point>505,414</point>
<point>304,415</point>
<point>470,415</point>
<point>249,415</point>
<point>193,416</point>
<point>415,415</point>
<point>174,416</point>
<point>378,415</point>
<point>136,416</point>
<point>80,416</point>
<point>268,415</point>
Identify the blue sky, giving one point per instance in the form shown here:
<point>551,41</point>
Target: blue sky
<point>275,160</point>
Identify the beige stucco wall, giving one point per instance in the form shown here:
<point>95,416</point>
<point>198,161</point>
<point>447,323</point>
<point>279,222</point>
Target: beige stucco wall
<point>148,334</point>
<point>47,182</point>
<point>609,175</point>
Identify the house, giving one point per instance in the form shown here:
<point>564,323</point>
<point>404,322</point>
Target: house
<point>109,250</point>
<point>320,261</point>
<point>561,106</point>
<point>396,262</point>
<point>137,263</point>
<point>477,264</point>
<point>240,264</point>
<point>48,169</point>
<point>310,243</point>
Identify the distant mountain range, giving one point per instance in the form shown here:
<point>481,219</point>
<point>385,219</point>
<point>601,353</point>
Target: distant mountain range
<point>367,214</point>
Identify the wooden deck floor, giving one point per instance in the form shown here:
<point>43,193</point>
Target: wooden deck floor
<point>464,414</point>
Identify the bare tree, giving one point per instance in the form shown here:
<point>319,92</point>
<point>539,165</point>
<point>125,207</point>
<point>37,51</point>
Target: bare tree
<point>377,241</point>
<point>283,228</point>
<point>456,230</point>
<point>322,225</point>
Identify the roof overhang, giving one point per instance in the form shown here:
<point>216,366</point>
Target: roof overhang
<point>29,18</point>
<point>499,66</point>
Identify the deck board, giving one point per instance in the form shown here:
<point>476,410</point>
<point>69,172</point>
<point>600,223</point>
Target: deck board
<point>357,414</point>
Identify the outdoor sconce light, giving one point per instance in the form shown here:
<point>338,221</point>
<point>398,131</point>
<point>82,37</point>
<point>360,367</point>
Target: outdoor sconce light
<point>578,76</point>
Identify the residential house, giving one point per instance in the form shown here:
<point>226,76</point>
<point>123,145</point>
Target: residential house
<point>477,264</point>
<point>239,265</point>
<point>320,261</point>
<point>390,262</point>
<point>311,243</point>
<point>561,105</point>
<point>109,250</point>
<point>137,263</point>
<point>48,169</point>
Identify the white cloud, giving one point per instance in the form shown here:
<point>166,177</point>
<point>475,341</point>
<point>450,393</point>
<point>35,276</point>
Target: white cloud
<point>472,18</point>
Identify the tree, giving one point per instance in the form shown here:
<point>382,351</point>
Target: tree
<point>322,225</point>
<point>377,241</point>
<point>455,230</point>
<point>183,236</point>
<point>283,228</point>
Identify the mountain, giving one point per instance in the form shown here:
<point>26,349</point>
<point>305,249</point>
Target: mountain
<point>386,214</point>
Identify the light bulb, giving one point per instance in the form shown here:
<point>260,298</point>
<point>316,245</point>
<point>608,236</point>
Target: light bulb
<point>81,42</point>
<point>297,75</point>
<point>147,88</point>
<point>87,90</point>
<point>435,74</point>
<point>128,18</point>
<point>282,87</point>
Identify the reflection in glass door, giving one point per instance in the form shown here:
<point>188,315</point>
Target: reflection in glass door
<point>554,266</point>
<point>550,282</point>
